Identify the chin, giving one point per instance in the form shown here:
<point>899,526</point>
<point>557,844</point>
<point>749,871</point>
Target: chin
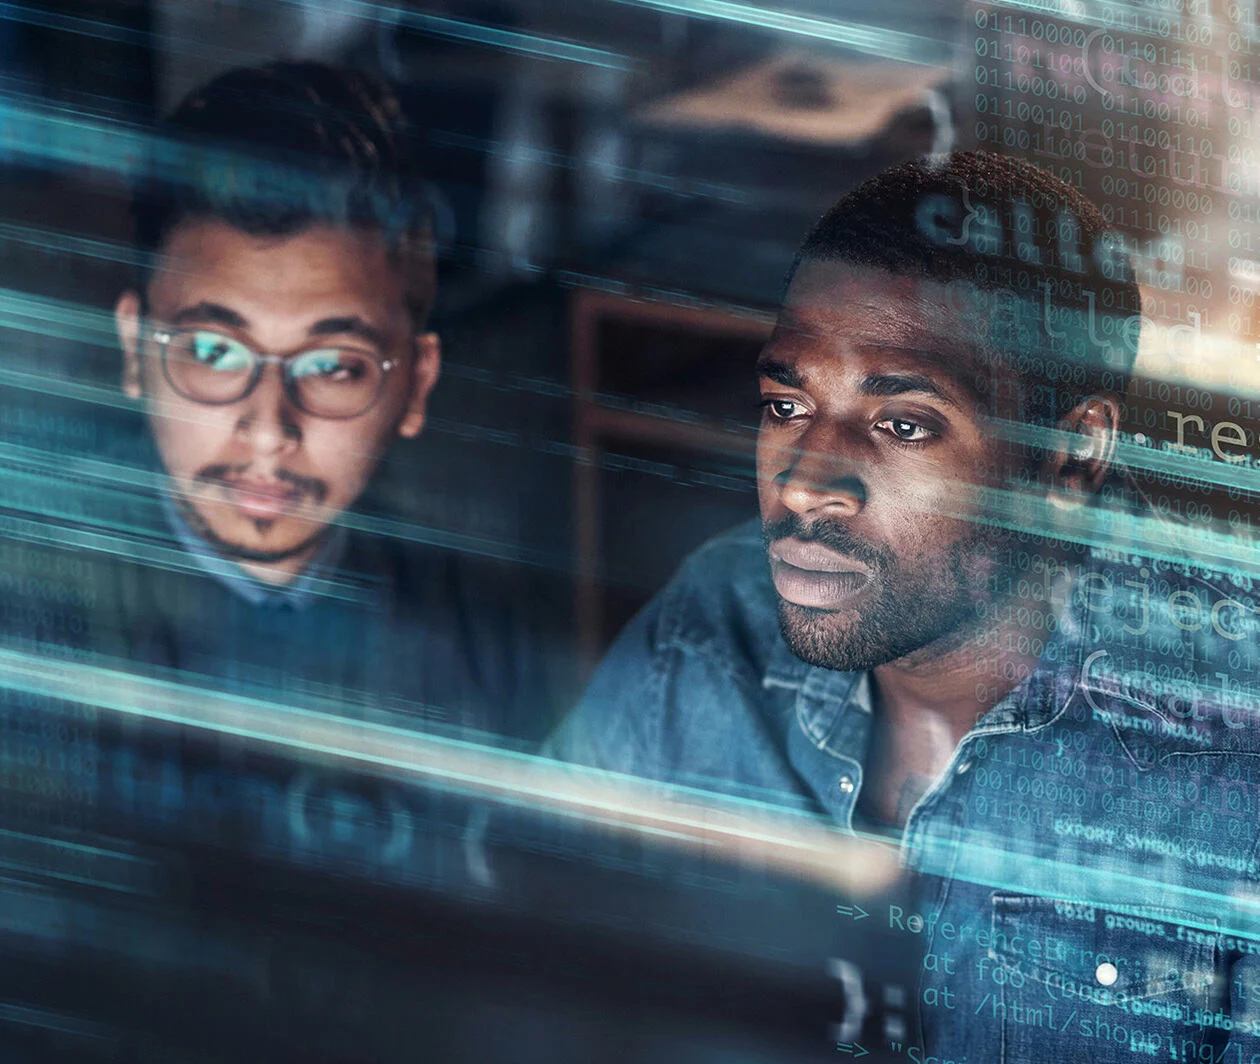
<point>832,640</point>
<point>246,540</point>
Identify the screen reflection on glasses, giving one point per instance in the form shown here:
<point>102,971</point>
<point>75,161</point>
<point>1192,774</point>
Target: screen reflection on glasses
<point>330,381</point>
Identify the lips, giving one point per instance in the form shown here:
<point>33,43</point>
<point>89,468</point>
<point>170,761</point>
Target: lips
<point>263,500</point>
<point>810,574</point>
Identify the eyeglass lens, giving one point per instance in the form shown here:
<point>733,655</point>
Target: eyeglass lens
<point>208,367</point>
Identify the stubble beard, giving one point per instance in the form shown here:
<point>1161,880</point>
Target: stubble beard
<point>214,476</point>
<point>933,610</point>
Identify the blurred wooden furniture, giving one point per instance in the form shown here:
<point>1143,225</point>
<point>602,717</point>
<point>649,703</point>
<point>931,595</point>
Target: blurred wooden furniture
<point>664,396</point>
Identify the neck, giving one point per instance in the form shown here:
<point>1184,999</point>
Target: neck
<point>281,572</point>
<point>958,680</point>
<point>925,703</point>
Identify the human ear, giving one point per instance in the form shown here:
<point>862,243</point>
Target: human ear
<point>425,370</point>
<point>127,323</point>
<point>1080,466</point>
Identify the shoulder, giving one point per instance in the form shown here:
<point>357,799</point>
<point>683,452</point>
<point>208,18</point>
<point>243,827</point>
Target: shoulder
<point>721,603</point>
<point>680,694</point>
<point>1175,647</point>
<point>479,594</point>
<point>487,638</point>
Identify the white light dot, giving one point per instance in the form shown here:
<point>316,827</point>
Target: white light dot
<point>1106,973</point>
<point>1139,437</point>
<point>846,785</point>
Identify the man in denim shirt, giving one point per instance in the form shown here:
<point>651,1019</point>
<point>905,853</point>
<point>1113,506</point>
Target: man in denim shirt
<point>968,637</point>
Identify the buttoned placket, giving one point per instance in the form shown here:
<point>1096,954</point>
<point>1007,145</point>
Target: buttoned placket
<point>926,837</point>
<point>825,709</point>
<point>827,718</point>
<point>921,831</point>
<point>932,844</point>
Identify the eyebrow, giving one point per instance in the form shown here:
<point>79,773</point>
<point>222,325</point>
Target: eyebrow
<point>210,313</point>
<point>351,325</point>
<point>779,372</point>
<point>879,385</point>
<point>886,384</point>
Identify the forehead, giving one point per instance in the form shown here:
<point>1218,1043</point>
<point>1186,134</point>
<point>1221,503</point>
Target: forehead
<point>277,275</point>
<point>862,308</point>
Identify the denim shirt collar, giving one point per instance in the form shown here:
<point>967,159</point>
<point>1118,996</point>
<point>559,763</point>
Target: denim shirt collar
<point>298,593</point>
<point>833,708</point>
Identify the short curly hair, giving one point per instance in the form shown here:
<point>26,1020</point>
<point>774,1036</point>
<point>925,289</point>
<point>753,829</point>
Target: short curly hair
<point>1004,227</point>
<point>272,150</point>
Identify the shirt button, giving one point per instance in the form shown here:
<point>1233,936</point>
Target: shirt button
<point>846,784</point>
<point>1106,973</point>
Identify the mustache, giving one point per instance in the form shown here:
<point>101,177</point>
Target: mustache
<point>224,473</point>
<point>830,534</point>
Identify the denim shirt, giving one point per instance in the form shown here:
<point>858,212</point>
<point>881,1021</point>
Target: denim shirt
<point>300,592</point>
<point>1088,859</point>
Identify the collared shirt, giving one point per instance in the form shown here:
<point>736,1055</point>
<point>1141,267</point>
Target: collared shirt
<point>392,632</point>
<point>1088,860</point>
<point>377,627</point>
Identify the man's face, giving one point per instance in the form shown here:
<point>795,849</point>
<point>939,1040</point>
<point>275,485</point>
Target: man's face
<point>259,477</point>
<point>873,427</point>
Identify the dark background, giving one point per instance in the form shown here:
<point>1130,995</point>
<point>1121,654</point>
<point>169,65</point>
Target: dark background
<point>597,257</point>
<point>612,253</point>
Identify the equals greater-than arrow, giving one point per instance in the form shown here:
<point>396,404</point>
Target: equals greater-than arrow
<point>856,911</point>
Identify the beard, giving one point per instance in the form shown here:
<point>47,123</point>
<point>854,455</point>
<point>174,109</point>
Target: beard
<point>937,602</point>
<point>220,475</point>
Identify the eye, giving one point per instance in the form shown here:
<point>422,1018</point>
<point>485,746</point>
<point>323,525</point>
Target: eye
<point>329,365</point>
<point>220,352</point>
<point>906,431</point>
<point>781,409</point>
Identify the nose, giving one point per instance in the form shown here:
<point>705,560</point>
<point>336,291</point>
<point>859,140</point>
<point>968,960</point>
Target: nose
<point>817,476</point>
<point>269,420</point>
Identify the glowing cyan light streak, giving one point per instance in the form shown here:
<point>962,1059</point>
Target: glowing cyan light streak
<point>518,41</point>
<point>790,841</point>
<point>96,29</point>
<point>871,40</point>
<point>46,518</point>
<point>795,843</point>
<point>74,862</point>
<point>512,40</point>
<point>56,318</point>
<point>27,1016</point>
<point>1148,536</point>
<point>71,138</point>
<point>437,25</point>
<point>55,531</point>
<point>60,243</point>
<point>1191,465</point>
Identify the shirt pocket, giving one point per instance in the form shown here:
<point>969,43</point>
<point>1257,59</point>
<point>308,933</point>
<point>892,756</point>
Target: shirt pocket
<point>1078,982</point>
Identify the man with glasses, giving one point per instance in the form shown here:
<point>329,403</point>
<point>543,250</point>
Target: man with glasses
<point>277,336</point>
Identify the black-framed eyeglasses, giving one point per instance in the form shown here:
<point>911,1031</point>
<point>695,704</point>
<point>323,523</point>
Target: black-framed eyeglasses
<point>329,382</point>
